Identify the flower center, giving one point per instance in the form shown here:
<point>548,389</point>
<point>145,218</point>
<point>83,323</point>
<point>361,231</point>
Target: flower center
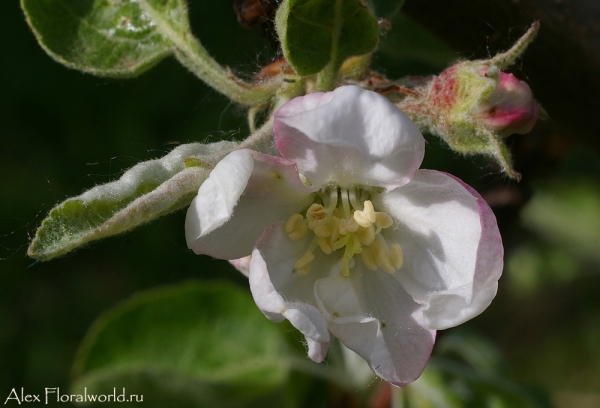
<point>344,221</point>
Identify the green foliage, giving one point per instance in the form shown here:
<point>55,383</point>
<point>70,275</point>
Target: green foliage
<point>468,372</point>
<point>104,37</point>
<point>408,48</point>
<point>568,214</point>
<point>315,33</point>
<point>386,8</point>
<point>145,192</point>
<point>191,345</point>
<point>123,38</point>
<point>564,218</point>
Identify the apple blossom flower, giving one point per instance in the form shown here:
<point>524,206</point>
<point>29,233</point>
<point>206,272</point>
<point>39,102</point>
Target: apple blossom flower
<point>348,238</point>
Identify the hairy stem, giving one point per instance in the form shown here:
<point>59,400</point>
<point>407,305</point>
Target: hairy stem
<point>190,52</point>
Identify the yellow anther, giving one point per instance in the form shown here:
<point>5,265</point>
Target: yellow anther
<point>296,227</point>
<point>366,217</point>
<point>304,261</point>
<point>322,231</point>
<point>303,271</point>
<point>348,225</point>
<point>325,245</point>
<point>369,259</point>
<point>316,215</point>
<point>352,225</point>
<point>396,256</point>
<point>299,233</point>
<point>366,235</point>
<point>292,222</point>
<point>341,225</point>
<point>383,220</point>
<point>383,260</point>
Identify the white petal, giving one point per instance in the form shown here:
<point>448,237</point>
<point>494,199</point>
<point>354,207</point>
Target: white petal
<point>242,265</point>
<point>453,254</point>
<point>373,316</point>
<point>245,193</point>
<point>349,136</point>
<point>338,301</point>
<point>317,351</point>
<point>280,293</point>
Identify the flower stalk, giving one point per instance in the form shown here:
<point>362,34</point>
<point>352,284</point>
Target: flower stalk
<point>190,52</point>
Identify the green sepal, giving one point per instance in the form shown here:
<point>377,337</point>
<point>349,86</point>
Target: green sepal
<point>318,33</point>
<point>191,345</point>
<point>145,192</point>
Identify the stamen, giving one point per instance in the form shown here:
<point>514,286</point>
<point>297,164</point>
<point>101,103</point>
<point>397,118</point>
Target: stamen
<point>383,220</point>
<point>303,271</point>
<point>347,226</point>
<point>322,231</point>
<point>353,200</point>
<point>305,260</point>
<point>396,256</point>
<point>345,204</point>
<point>291,223</point>
<point>390,259</point>
<point>366,235</point>
<point>366,217</point>
<point>325,245</point>
<point>369,259</point>
<point>333,199</point>
<point>316,215</point>
<point>302,265</point>
<point>383,259</point>
<point>295,227</point>
<point>339,221</point>
<point>335,229</point>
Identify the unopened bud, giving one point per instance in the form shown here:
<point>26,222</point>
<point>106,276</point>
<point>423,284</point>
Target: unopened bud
<point>509,108</point>
<point>472,105</point>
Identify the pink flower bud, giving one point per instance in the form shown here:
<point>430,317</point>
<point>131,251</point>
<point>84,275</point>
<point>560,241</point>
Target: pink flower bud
<point>509,108</point>
<point>473,105</point>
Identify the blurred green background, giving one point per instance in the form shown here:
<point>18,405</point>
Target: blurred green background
<point>62,132</point>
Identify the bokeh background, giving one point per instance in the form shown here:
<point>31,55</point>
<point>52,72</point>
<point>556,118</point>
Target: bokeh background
<point>62,132</point>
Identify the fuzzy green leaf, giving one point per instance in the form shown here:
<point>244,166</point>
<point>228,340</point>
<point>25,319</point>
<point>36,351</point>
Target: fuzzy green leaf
<point>191,345</point>
<point>145,192</point>
<point>315,33</point>
<point>115,38</point>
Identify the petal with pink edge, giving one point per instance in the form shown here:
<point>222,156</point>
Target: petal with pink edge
<point>453,254</point>
<point>387,328</point>
<point>349,136</point>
